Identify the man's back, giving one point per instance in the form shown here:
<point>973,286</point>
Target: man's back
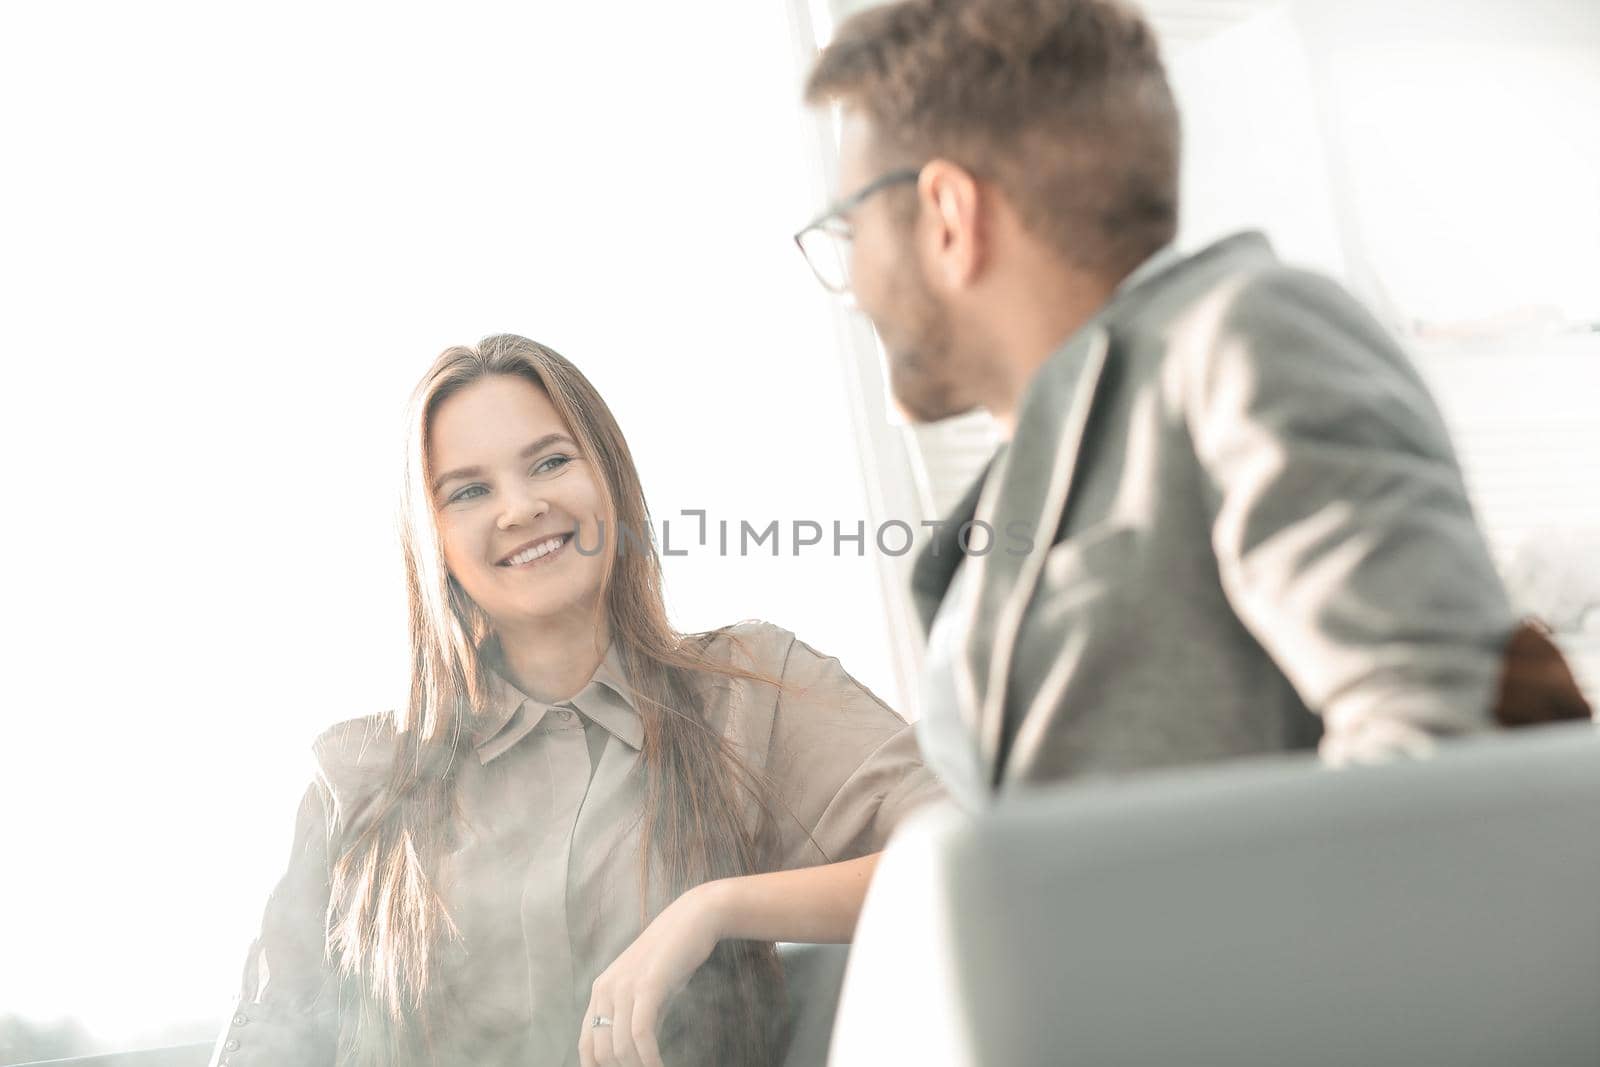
<point>1253,513</point>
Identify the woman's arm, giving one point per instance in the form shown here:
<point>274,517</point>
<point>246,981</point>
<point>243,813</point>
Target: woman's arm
<point>291,1018</point>
<point>814,905</point>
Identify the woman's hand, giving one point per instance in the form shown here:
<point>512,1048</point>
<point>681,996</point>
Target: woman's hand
<point>813,904</point>
<point>634,990</point>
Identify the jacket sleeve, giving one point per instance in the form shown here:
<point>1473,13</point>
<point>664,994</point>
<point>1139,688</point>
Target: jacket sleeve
<point>1342,529</point>
<point>286,1014</point>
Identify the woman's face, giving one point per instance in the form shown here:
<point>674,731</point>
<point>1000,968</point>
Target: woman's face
<point>514,500</point>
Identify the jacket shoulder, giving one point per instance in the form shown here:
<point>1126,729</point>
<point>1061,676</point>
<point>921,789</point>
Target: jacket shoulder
<point>1206,283</point>
<point>1233,307</point>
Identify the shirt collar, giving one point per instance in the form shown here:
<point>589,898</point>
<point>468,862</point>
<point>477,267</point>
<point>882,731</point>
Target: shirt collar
<point>510,714</point>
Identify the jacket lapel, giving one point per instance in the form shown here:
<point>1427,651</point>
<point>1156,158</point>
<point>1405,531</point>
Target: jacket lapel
<point>936,564</point>
<point>1028,482</point>
<point>1029,487</point>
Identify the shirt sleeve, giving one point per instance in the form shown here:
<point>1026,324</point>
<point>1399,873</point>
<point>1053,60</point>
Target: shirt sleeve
<point>1341,524</point>
<point>286,1014</point>
<point>844,767</point>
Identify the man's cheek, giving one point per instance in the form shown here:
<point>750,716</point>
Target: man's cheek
<point>869,295</point>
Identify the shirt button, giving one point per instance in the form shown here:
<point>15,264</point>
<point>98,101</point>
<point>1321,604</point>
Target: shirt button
<point>240,1019</point>
<point>232,1045</point>
<point>564,715</point>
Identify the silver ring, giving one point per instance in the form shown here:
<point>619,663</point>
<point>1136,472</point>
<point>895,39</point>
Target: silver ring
<point>598,1021</point>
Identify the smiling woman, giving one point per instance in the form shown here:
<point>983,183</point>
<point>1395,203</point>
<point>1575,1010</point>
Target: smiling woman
<point>506,517</point>
<point>580,837</point>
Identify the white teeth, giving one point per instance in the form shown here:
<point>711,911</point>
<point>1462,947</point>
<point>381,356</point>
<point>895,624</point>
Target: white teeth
<point>543,548</point>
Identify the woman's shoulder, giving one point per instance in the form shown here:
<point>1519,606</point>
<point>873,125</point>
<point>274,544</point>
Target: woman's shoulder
<point>778,653</point>
<point>751,644</point>
<point>355,757</point>
<point>768,648</point>
<point>774,647</point>
<point>356,742</point>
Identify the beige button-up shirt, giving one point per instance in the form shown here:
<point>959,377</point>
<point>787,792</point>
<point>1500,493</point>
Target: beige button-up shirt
<point>543,879</point>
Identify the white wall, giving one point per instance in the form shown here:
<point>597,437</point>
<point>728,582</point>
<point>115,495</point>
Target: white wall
<point>1440,157</point>
<point>1253,152</point>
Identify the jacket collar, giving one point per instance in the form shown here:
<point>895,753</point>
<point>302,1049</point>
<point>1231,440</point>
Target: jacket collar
<point>1156,264</point>
<point>510,714</point>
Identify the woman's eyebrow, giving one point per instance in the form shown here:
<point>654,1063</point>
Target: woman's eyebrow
<point>471,472</point>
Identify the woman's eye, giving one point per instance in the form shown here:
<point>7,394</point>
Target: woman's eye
<point>466,493</point>
<point>551,463</point>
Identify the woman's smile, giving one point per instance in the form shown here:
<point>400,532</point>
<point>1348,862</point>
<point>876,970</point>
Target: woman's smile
<point>536,553</point>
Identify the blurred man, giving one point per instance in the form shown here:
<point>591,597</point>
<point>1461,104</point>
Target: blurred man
<point>1227,518</point>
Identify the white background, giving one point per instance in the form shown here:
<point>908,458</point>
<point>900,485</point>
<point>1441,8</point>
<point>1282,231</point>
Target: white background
<point>233,238</point>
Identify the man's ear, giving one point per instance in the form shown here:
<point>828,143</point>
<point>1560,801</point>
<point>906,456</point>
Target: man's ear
<point>954,233</point>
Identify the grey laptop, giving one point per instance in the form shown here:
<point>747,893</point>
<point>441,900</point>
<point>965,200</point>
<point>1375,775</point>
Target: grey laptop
<point>1439,912</point>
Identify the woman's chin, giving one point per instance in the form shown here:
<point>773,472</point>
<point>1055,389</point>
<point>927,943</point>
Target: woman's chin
<point>559,607</point>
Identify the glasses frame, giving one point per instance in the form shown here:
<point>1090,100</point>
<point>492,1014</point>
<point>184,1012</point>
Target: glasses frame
<point>839,209</point>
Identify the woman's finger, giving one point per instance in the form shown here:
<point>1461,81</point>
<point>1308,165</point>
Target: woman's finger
<point>597,1038</point>
<point>621,1030</point>
<point>603,1052</point>
<point>642,1028</point>
<point>586,1043</point>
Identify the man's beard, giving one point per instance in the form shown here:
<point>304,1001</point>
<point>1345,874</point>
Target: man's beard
<point>921,351</point>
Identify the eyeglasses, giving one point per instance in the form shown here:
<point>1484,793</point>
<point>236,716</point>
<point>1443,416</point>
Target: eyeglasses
<point>825,241</point>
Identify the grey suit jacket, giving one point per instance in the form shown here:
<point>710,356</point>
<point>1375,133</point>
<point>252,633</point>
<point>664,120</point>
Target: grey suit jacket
<point>1229,522</point>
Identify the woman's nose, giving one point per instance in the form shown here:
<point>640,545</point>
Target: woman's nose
<point>522,508</point>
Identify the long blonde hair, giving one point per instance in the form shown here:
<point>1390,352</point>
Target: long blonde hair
<point>386,920</point>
